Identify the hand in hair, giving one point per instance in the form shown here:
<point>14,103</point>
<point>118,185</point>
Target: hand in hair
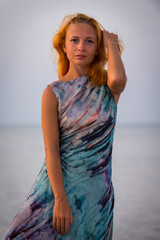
<point>116,73</point>
<point>110,39</point>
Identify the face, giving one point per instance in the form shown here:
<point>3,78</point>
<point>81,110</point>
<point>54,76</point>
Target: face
<point>80,44</point>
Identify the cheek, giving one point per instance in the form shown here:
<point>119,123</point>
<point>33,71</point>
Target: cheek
<point>92,48</point>
<point>69,52</point>
<point>69,49</point>
<point>94,51</point>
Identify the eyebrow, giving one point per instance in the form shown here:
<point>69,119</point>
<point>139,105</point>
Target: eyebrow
<point>78,37</point>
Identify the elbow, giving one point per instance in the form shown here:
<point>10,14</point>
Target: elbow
<point>51,151</point>
<point>117,84</point>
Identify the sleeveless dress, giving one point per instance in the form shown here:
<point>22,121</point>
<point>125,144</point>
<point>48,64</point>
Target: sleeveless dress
<point>87,117</point>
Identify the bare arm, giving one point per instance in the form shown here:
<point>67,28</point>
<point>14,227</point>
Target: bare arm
<point>116,72</point>
<point>62,212</point>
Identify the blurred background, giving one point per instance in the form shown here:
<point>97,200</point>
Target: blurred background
<point>26,67</point>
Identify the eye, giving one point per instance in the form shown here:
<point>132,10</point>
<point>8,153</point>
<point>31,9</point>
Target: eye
<point>74,40</point>
<point>89,41</point>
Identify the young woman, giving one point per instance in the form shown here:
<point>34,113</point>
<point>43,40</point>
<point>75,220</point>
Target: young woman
<point>73,196</point>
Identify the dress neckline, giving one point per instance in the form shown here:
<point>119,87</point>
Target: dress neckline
<point>83,77</point>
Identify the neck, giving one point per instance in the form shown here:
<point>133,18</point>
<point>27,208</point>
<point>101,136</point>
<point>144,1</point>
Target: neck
<point>75,72</point>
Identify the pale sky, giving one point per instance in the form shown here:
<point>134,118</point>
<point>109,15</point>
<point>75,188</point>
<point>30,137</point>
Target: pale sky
<point>27,28</point>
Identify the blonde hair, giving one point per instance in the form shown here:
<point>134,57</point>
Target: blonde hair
<point>97,72</point>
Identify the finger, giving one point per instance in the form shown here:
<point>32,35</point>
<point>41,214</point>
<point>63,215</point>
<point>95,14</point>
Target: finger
<point>58,225</point>
<point>116,36</point>
<point>54,222</point>
<point>105,31</point>
<point>71,219</point>
<point>62,226</point>
<point>112,34</point>
<point>66,226</point>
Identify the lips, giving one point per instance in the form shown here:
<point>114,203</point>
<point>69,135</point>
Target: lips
<point>80,56</point>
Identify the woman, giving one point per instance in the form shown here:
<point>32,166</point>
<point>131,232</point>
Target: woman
<point>73,196</point>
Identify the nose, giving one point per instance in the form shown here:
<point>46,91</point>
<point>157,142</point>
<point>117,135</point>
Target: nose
<point>81,46</point>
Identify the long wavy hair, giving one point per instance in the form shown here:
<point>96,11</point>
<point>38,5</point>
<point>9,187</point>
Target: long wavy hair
<point>97,72</point>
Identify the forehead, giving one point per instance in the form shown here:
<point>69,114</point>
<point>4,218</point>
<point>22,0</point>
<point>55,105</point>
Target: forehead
<point>81,29</point>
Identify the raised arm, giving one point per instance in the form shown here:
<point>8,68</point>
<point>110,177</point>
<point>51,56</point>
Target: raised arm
<point>62,215</point>
<point>116,73</point>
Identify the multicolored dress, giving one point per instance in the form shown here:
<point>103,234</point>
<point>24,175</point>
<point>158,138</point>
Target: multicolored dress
<point>87,117</point>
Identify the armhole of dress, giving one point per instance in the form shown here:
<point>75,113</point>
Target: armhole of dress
<point>108,89</point>
<point>54,94</point>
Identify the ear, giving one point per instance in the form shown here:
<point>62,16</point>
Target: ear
<point>64,47</point>
<point>96,52</point>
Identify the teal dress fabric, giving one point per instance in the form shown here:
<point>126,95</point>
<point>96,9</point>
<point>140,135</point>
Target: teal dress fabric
<point>87,117</point>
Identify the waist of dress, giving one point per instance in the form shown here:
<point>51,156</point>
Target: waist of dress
<point>88,182</point>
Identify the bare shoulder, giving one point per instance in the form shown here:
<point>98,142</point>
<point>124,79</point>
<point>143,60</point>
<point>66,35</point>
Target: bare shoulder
<point>49,97</point>
<point>49,118</point>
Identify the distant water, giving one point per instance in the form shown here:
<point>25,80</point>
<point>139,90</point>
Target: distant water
<point>136,177</point>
